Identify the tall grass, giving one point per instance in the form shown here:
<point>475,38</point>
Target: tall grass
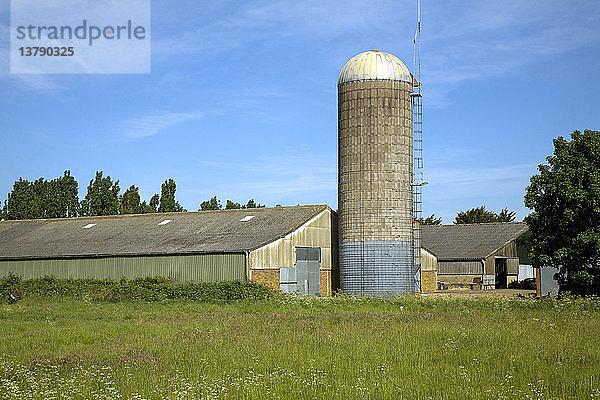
<point>301,348</point>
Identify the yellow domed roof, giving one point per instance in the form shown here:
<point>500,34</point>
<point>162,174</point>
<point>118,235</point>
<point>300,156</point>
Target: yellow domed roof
<point>374,65</point>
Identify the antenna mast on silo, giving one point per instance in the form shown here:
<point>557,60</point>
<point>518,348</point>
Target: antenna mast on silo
<point>417,113</point>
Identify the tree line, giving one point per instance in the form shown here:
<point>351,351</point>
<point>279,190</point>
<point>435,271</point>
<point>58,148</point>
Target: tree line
<point>215,204</point>
<point>476,215</point>
<point>59,198</point>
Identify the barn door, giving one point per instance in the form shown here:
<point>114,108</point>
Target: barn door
<point>308,270</point>
<point>501,273</point>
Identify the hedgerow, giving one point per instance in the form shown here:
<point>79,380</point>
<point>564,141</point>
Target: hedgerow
<point>146,289</point>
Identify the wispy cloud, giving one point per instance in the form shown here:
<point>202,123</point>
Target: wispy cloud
<point>480,177</point>
<point>149,125</point>
<point>463,41</point>
<point>489,38</point>
<point>279,21</point>
<point>30,82</point>
<point>494,187</point>
<point>276,179</point>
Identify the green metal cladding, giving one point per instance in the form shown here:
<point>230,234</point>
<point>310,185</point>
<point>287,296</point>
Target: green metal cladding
<point>181,268</point>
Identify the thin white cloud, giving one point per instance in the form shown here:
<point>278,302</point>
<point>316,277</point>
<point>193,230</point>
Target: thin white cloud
<point>478,177</point>
<point>275,180</point>
<point>36,83</point>
<point>291,164</point>
<point>149,125</point>
<point>489,38</point>
<point>463,41</point>
<point>29,82</point>
<point>494,187</point>
<point>281,20</point>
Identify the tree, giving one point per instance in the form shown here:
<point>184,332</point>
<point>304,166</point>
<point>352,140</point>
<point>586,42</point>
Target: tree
<point>431,220</point>
<point>67,192</point>
<point>19,204</point>
<point>146,208</point>
<point>505,216</point>
<point>102,196</point>
<point>481,215</point>
<point>154,201</point>
<point>130,201</point>
<point>212,204</point>
<point>167,198</point>
<point>252,204</point>
<point>565,222</point>
<point>230,205</point>
<point>57,198</point>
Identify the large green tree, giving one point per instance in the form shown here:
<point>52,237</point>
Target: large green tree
<point>479,215</point>
<point>565,222</point>
<point>57,198</point>
<point>102,196</point>
<point>66,190</point>
<point>20,203</point>
<point>130,201</point>
<point>167,198</point>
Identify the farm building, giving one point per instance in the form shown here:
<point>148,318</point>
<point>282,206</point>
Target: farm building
<point>428,276</point>
<point>476,253</point>
<point>294,248</point>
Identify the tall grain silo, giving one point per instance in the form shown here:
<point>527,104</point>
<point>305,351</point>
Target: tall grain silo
<point>374,175</point>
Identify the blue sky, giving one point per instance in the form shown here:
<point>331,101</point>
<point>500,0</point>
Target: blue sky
<point>241,101</point>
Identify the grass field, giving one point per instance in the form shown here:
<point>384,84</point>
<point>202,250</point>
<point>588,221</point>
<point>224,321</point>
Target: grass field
<point>342,348</point>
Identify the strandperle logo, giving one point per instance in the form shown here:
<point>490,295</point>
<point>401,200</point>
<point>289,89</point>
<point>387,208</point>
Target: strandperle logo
<point>85,31</point>
<point>80,36</point>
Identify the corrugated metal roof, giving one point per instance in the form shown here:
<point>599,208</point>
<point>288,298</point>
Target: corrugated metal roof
<point>374,65</point>
<point>187,233</point>
<point>469,241</point>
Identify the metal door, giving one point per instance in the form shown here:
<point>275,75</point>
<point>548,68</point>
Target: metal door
<point>308,270</point>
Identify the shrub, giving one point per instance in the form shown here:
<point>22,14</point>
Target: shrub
<point>146,289</point>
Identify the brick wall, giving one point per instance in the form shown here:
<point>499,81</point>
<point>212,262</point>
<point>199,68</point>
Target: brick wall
<point>329,282</point>
<point>269,277</point>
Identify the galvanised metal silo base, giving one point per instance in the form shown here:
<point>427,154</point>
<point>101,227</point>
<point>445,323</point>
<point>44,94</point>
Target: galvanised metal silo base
<point>375,175</point>
<point>385,267</point>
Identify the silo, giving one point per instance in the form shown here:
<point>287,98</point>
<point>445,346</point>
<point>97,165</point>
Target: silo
<point>375,175</point>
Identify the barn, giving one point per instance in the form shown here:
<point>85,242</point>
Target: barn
<point>469,254</point>
<point>428,274</point>
<point>292,248</point>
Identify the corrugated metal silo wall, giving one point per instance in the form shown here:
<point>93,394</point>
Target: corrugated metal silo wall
<point>198,268</point>
<point>374,192</point>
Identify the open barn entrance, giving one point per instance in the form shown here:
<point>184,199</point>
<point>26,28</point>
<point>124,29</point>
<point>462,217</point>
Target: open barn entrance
<point>501,273</point>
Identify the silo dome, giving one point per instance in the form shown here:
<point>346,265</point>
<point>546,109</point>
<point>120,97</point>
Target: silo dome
<point>374,65</point>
